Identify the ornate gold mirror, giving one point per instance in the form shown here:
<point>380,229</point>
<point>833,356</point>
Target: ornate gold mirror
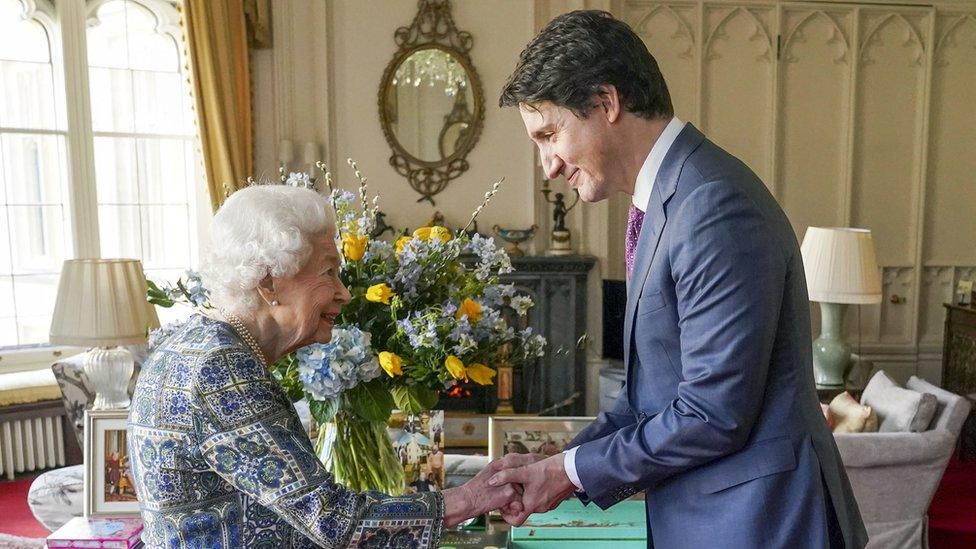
<point>431,102</point>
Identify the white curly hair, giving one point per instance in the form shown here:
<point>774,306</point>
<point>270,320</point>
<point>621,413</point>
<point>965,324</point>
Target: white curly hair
<point>261,230</point>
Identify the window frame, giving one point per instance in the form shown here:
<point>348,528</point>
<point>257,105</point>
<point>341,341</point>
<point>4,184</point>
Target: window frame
<point>65,23</point>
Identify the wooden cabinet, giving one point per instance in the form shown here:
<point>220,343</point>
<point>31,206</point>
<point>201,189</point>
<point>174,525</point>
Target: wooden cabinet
<point>854,114</point>
<point>959,364</point>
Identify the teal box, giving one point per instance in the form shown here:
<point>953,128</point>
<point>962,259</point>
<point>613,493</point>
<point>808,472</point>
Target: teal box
<point>622,526</point>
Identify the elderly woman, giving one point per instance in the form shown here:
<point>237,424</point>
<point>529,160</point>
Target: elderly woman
<point>219,457</point>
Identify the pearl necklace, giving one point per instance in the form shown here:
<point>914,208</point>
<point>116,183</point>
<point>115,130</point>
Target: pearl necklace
<point>238,325</point>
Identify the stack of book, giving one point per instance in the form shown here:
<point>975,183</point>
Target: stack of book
<point>98,533</point>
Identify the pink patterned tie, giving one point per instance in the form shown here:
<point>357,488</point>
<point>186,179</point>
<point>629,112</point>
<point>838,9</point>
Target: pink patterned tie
<point>635,218</point>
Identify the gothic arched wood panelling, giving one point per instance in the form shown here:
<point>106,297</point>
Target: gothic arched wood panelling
<point>814,80</point>
<point>888,129</point>
<point>671,38</point>
<point>737,86</point>
<point>952,145</point>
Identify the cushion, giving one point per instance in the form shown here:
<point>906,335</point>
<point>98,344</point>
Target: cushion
<point>899,409</point>
<point>55,497</point>
<point>847,416</point>
<point>29,386</point>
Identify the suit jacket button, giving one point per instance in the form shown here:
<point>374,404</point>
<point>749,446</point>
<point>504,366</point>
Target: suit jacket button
<point>642,416</point>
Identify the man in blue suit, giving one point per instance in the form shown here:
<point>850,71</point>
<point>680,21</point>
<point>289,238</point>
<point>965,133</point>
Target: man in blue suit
<point>719,422</point>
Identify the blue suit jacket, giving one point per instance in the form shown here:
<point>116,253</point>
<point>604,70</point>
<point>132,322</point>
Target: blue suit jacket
<point>719,421</point>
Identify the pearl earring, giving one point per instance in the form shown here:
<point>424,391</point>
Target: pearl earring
<point>274,303</point>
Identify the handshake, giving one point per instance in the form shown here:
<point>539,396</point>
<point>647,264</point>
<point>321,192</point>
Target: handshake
<point>517,485</point>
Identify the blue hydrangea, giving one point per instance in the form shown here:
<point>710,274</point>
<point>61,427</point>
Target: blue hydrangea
<point>343,363</point>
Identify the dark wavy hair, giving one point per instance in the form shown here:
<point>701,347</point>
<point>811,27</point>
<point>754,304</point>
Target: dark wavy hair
<point>575,54</point>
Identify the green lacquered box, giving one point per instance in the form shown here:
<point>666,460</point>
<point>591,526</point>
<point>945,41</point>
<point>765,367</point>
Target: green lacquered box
<point>623,526</point>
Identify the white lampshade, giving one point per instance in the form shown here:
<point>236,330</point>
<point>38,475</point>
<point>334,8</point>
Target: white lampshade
<point>840,265</point>
<point>102,303</point>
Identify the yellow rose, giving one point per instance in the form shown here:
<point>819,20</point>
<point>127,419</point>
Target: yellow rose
<point>391,363</point>
<point>471,308</point>
<point>441,233</point>
<point>480,374</point>
<point>422,233</point>
<point>455,367</point>
<point>401,242</point>
<point>353,246</point>
<point>379,293</point>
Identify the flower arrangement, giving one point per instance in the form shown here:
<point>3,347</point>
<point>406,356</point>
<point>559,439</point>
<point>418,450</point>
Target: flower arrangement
<point>425,314</point>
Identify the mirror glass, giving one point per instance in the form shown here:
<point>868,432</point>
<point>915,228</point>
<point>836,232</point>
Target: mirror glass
<point>429,104</point>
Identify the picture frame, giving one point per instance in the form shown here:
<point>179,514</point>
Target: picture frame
<point>109,488</point>
<point>418,443</point>
<point>466,430</point>
<point>541,434</point>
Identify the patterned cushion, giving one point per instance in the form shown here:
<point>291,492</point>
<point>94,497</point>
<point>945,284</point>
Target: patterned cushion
<point>57,496</point>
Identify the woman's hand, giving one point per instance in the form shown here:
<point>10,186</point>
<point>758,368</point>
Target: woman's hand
<point>476,497</point>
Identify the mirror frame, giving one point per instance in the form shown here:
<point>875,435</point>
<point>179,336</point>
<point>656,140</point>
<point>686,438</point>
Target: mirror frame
<point>432,27</point>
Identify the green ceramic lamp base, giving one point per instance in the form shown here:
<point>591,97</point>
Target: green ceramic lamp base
<point>831,354</point>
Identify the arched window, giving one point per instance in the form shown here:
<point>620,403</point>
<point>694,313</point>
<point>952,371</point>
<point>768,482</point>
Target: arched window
<point>146,167</point>
<point>33,177</point>
<point>111,173</point>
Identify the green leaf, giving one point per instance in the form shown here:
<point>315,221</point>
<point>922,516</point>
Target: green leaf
<point>370,401</point>
<point>323,410</point>
<point>414,399</point>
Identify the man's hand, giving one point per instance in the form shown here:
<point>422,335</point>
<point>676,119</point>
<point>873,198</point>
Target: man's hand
<point>544,485</point>
<point>477,497</point>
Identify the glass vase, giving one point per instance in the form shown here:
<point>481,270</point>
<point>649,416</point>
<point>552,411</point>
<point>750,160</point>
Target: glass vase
<point>360,455</point>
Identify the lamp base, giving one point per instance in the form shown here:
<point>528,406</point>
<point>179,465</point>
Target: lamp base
<point>109,370</point>
<point>831,354</point>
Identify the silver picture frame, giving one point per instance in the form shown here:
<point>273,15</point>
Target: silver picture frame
<point>542,434</point>
<point>104,430</point>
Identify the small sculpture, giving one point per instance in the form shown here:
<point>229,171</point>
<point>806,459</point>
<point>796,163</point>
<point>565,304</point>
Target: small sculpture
<point>515,237</point>
<point>560,242</point>
<point>380,226</point>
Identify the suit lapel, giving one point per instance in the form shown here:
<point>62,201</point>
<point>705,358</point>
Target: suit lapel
<point>655,218</point>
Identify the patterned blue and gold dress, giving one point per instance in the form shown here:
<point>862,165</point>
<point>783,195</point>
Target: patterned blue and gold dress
<point>220,459</point>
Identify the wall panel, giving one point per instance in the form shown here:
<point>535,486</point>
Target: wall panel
<point>887,129</point>
<point>950,210</point>
<point>738,68</point>
<point>814,79</point>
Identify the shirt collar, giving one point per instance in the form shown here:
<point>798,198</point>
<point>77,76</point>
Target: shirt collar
<point>648,172</point>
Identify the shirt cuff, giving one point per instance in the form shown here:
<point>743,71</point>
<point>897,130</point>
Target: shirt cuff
<point>569,464</point>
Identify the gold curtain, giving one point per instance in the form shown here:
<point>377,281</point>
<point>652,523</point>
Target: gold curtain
<point>216,38</point>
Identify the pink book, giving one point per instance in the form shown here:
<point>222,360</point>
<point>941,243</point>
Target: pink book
<point>98,532</point>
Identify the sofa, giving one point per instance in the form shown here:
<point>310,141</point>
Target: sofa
<point>894,475</point>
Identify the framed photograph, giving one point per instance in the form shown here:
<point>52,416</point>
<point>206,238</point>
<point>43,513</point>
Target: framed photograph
<point>109,489</point>
<point>418,441</point>
<point>532,434</point>
<point>466,429</point>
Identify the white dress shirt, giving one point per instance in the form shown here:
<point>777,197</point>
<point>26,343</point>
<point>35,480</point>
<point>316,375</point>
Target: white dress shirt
<point>642,194</point>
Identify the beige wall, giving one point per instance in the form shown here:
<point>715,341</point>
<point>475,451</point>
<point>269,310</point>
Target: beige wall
<point>358,40</point>
<point>320,82</point>
<point>862,119</point>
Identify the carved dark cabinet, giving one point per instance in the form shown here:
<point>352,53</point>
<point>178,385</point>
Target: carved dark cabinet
<point>556,383</point>
<point>557,285</point>
<point>959,364</point>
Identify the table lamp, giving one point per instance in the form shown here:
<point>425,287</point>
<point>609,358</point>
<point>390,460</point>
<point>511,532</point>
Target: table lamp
<point>102,304</point>
<point>841,269</point>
